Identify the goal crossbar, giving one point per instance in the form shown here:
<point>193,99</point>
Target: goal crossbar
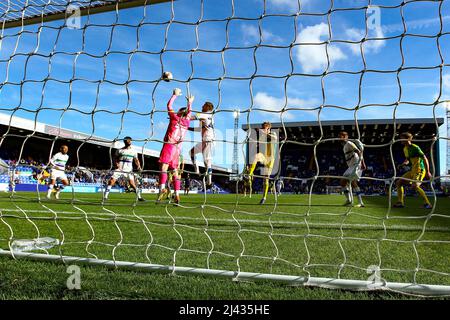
<point>20,14</point>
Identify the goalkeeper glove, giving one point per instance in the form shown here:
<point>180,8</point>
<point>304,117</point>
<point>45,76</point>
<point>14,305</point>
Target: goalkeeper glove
<point>190,99</point>
<point>177,92</point>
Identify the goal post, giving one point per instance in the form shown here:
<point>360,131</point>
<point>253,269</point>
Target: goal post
<point>327,283</point>
<point>28,12</point>
<point>106,84</point>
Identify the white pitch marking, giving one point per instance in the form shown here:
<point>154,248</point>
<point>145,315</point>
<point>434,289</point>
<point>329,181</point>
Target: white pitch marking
<point>251,221</point>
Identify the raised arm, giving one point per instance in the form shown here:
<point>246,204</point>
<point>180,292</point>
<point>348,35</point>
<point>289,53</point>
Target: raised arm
<point>175,94</point>
<point>190,100</point>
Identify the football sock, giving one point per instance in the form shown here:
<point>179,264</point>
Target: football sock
<point>252,168</point>
<point>176,184</point>
<point>401,194</point>
<point>348,194</point>
<point>108,189</point>
<point>139,192</point>
<point>50,188</point>
<point>162,180</point>
<point>423,195</point>
<point>266,188</point>
<point>209,175</point>
<point>359,194</point>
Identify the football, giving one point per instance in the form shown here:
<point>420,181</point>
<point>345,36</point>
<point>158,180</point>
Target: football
<point>167,76</point>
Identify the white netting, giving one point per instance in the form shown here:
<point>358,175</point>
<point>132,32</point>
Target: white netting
<point>92,81</point>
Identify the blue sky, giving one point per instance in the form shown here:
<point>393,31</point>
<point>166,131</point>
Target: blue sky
<point>273,88</point>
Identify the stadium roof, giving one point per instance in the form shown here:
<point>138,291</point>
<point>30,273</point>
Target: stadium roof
<point>367,122</point>
<point>23,12</point>
<point>46,129</point>
<point>40,129</point>
<point>373,131</point>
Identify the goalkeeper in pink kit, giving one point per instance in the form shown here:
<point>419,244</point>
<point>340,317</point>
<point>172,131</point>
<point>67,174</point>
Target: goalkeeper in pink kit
<point>170,153</point>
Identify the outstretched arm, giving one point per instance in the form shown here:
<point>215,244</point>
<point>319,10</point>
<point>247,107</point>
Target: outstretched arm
<point>190,100</point>
<point>175,94</point>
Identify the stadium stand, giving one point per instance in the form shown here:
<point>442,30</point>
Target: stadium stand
<point>95,156</point>
<point>298,165</point>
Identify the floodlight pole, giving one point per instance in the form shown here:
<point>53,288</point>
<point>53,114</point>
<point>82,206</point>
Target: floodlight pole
<point>235,166</point>
<point>447,107</point>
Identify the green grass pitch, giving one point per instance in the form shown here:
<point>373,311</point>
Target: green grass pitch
<point>293,236</point>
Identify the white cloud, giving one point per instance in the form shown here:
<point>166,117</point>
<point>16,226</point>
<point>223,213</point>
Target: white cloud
<point>263,100</point>
<point>314,57</point>
<point>417,24</point>
<point>252,33</point>
<point>446,82</point>
<point>446,90</point>
<point>291,4</point>
<point>373,46</point>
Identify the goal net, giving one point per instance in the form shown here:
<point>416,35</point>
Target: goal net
<point>79,77</point>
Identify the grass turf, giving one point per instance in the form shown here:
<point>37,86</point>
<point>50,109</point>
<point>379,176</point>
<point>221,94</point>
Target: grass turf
<point>294,236</point>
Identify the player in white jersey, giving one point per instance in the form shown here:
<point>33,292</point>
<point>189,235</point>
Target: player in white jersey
<point>353,152</point>
<point>6,169</point>
<point>124,168</point>
<point>206,118</point>
<point>58,165</point>
<point>279,185</point>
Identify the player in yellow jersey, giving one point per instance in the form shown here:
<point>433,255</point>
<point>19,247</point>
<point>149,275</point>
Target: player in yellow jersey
<point>266,156</point>
<point>420,168</point>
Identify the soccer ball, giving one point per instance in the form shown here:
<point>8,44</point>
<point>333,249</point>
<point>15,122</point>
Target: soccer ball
<point>167,76</point>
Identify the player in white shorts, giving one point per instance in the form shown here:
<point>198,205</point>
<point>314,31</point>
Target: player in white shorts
<point>58,165</point>
<point>279,185</point>
<point>353,152</point>
<point>206,118</point>
<point>124,163</point>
